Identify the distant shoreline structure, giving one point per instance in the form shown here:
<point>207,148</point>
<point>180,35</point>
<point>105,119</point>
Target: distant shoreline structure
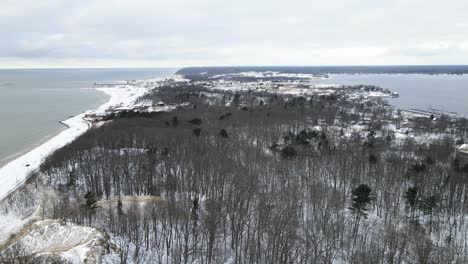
<point>430,112</point>
<point>412,69</point>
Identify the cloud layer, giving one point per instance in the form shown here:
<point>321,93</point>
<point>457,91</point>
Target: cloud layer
<point>152,33</point>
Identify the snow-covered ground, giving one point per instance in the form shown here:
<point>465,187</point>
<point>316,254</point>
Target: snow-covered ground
<point>260,74</point>
<point>17,171</point>
<point>464,148</point>
<point>299,88</point>
<point>53,240</point>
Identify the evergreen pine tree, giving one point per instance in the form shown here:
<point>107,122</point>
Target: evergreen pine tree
<point>361,198</point>
<point>411,196</point>
<point>90,198</point>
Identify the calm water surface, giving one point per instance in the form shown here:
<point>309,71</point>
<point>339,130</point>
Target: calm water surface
<point>32,102</point>
<point>444,92</point>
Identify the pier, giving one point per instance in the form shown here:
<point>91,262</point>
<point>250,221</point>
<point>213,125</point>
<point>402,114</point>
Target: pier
<point>109,84</point>
<point>430,112</point>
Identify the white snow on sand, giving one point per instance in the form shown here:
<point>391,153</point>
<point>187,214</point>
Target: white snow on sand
<point>464,148</point>
<point>17,171</point>
<point>67,242</point>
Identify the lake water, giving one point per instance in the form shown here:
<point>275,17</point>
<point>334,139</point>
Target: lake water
<point>444,92</point>
<point>32,102</point>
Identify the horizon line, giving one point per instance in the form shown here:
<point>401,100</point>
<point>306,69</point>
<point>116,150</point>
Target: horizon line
<point>235,66</point>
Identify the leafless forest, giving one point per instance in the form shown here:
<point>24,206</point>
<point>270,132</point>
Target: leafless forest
<point>256,177</point>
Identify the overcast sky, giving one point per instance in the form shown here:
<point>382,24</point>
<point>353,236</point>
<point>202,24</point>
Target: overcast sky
<point>176,33</point>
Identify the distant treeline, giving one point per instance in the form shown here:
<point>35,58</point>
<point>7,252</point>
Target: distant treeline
<point>413,69</point>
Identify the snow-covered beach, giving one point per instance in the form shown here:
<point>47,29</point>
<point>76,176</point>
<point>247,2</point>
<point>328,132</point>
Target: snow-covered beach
<point>16,172</point>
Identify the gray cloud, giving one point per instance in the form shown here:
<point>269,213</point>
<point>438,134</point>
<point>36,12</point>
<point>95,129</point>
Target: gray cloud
<point>243,32</point>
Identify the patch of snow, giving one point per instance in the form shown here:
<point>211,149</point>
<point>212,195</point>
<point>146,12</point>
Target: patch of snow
<point>463,148</point>
<point>269,74</point>
<point>64,241</point>
<point>10,223</point>
<point>377,94</point>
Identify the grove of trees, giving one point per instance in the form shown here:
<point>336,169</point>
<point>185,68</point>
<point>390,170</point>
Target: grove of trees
<point>253,177</point>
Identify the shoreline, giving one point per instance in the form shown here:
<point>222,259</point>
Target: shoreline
<point>60,128</point>
<point>21,166</point>
<point>32,146</point>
